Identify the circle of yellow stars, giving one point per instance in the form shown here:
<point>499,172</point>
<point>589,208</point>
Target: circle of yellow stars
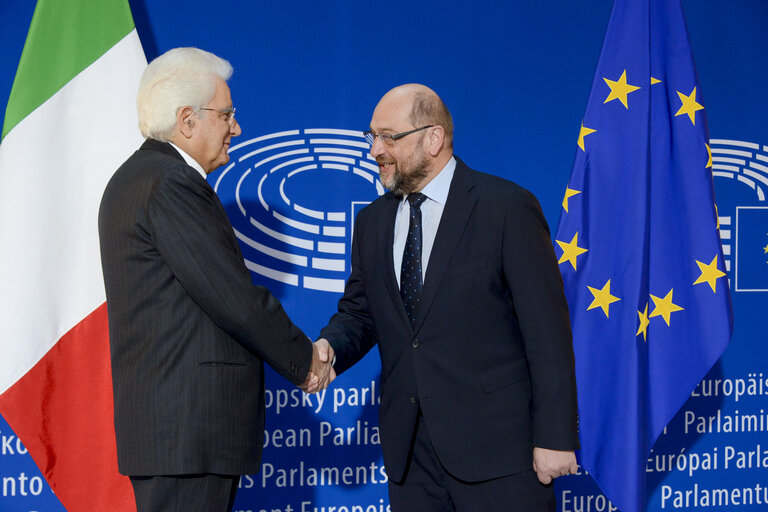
<point>663,307</point>
<point>620,90</point>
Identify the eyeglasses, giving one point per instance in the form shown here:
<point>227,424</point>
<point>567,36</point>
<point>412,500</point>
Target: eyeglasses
<point>229,113</point>
<point>389,140</point>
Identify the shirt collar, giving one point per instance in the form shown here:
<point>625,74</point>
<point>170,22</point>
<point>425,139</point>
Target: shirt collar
<point>190,161</point>
<point>437,189</point>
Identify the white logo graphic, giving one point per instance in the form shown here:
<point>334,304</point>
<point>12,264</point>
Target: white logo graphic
<point>746,164</point>
<point>292,198</point>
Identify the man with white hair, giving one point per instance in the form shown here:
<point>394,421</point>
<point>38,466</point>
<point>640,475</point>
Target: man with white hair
<point>189,332</point>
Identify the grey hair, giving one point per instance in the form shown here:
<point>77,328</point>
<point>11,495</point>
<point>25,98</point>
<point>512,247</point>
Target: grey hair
<point>180,77</point>
<point>429,109</point>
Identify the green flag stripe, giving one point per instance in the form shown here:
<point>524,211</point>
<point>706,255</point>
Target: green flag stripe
<point>64,38</point>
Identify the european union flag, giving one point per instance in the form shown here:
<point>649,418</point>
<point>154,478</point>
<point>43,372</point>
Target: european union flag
<point>639,246</point>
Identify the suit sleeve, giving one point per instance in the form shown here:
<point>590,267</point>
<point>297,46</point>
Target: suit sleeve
<point>194,238</point>
<point>350,331</point>
<point>531,271</point>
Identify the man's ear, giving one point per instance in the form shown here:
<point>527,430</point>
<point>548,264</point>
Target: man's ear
<point>435,140</point>
<point>185,121</point>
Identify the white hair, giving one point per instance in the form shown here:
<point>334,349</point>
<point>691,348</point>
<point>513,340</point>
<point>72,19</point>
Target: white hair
<point>178,78</point>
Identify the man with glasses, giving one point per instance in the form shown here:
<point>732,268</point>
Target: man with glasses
<point>188,331</point>
<point>455,278</point>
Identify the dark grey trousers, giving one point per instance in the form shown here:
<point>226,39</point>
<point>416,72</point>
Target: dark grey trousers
<point>185,493</point>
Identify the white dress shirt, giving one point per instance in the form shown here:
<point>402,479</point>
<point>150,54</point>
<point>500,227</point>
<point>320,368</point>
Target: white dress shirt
<point>431,212</point>
<point>190,161</point>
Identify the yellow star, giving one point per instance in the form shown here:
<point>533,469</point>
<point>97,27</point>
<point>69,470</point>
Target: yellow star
<point>717,216</point>
<point>583,132</point>
<point>689,105</point>
<point>569,193</point>
<point>709,273</point>
<point>709,152</point>
<point>571,250</point>
<point>655,81</point>
<point>664,307</point>
<point>643,323</point>
<point>765,249</point>
<point>603,298</point>
<point>620,89</point>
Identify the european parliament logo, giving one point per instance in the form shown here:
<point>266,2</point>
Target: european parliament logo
<point>743,226</point>
<point>292,197</point>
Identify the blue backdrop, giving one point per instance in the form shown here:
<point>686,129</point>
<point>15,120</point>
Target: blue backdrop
<point>516,76</point>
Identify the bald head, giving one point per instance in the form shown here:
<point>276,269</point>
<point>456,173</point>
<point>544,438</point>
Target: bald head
<point>424,143</point>
<point>422,106</point>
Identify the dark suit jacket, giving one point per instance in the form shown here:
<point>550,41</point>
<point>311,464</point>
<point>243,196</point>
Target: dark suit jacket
<point>188,329</point>
<point>490,361</point>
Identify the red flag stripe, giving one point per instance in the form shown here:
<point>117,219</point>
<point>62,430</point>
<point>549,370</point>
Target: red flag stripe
<point>62,410</point>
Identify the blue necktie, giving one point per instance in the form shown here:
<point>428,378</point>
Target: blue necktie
<point>410,272</point>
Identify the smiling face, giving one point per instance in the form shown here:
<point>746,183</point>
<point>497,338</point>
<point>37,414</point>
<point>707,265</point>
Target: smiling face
<point>213,131</point>
<point>404,167</point>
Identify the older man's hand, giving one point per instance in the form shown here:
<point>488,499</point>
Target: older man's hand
<point>321,372</point>
<point>550,464</point>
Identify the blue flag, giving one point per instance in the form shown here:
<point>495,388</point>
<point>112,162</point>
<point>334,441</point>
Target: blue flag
<point>639,247</point>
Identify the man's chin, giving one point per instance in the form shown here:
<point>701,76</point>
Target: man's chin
<point>392,185</point>
<point>222,161</point>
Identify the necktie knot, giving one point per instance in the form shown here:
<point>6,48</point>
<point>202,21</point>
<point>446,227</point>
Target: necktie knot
<point>416,199</point>
<point>410,274</point>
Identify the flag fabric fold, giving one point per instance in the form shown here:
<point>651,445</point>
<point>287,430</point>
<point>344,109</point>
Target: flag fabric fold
<point>70,122</point>
<point>639,247</point>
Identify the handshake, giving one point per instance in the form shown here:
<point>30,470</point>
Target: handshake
<point>321,373</point>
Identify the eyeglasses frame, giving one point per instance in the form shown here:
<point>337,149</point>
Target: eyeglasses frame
<point>389,140</point>
<point>229,112</point>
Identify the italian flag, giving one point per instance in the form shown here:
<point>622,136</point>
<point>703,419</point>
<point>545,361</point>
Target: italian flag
<point>70,122</point>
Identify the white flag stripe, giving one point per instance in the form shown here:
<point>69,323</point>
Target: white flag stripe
<point>50,268</point>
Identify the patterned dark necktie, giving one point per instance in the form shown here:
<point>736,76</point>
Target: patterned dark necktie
<point>410,272</point>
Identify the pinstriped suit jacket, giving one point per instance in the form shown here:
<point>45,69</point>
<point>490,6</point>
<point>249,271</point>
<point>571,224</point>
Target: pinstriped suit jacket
<point>188,330</point>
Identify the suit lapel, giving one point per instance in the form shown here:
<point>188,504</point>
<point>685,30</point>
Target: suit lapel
<point>458,207</point>
<point>386,238</point>
<point>167,149</point>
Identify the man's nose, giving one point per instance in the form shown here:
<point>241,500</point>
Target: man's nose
<point>234,128</point>
<point>377,148</point>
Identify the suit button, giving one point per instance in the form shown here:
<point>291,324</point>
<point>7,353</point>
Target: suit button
<point>413,400</point>
<point>415,343</point>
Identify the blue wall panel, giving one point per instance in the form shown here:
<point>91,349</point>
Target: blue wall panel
<point>516,76</point>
